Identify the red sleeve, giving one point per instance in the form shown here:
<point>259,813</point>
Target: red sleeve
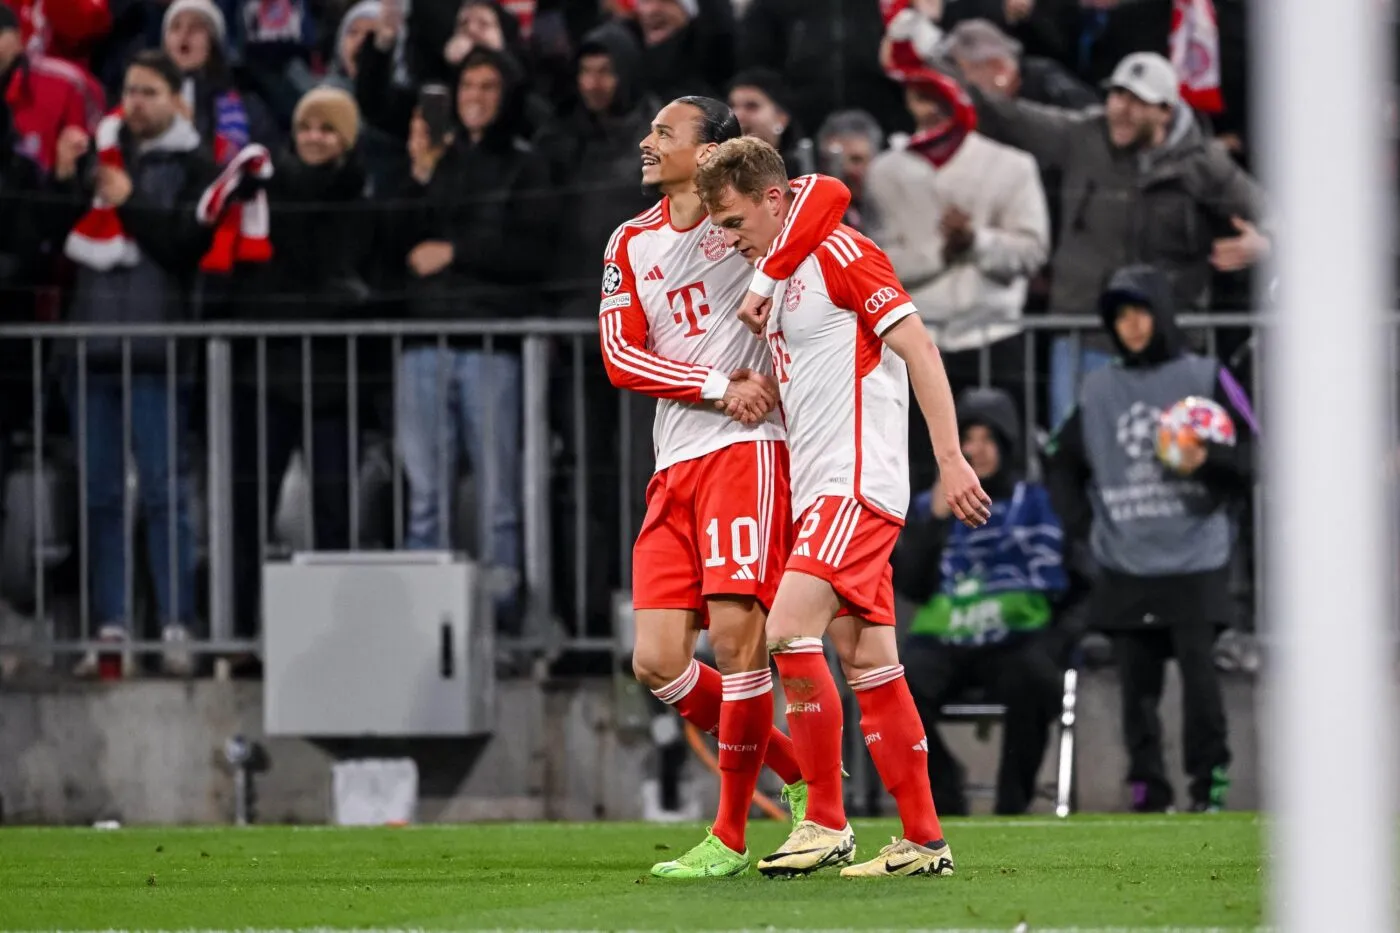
<point>860,278</point>
<point>819,203</point>
<point>622,328</point>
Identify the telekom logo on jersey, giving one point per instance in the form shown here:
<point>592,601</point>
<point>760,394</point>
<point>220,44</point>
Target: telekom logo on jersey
<point>688,306</point>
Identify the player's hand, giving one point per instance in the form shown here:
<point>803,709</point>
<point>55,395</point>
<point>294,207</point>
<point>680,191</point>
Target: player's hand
<point>750,397</point>
<point>430,257</point>
<point>938,504</point>
<point>754,311</point>
<point>1192,456</point>
<point>963,492</point>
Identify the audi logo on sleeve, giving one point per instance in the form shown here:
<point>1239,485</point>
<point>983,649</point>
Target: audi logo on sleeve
<point>881,298</point>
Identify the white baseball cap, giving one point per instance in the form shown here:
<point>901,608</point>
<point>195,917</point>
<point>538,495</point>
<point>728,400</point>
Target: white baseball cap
<point>1147,76</point>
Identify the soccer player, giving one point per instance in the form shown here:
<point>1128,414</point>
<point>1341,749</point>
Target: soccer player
<point>846,343</point>
<point>717,522</point>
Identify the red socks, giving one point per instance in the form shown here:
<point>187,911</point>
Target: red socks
<point>814,718</point>
<point>697,695</point>
<point>745,722</point>
<point>897,742</point>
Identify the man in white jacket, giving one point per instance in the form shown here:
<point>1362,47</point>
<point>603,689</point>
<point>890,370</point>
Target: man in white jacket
<point>965,222</point>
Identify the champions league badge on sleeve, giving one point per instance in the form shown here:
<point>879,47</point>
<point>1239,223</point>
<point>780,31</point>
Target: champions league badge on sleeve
<point>612,278</point>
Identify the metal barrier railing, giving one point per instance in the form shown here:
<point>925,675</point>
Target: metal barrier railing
<point>559,460</point>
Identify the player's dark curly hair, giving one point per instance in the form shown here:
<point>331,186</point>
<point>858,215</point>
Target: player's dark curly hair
<point>717,121</point>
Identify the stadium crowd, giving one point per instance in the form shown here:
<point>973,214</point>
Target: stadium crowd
<point>288,161</point>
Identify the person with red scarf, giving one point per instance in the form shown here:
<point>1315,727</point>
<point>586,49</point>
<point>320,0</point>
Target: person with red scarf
<point>964,220</point>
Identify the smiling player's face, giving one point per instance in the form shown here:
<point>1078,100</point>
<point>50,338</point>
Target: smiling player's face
<point>672,150</point>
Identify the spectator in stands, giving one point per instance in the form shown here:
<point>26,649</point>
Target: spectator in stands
<point>993,62</point>
<point>21,237</point>
<point>276,39</point>
<point>150,176</point>
<point>1160,538</point>
<point>194,35</point>
<point>594,165</point>
<point>847,144</point>
<point>1141,184</point>
<point>387,102</point>
<point>595,168</point>
<point>439,35</point>
<point>985,602</point>
<point>827,52</point>
<point>964,221</point>
<point>320,230</point>
<point>64,29</point>
<point>480,250</point>
<point>759,98</point>
<point>44,95</point>
<point>687,46</point>
<point>1032,24</point>
<point>381,153</point>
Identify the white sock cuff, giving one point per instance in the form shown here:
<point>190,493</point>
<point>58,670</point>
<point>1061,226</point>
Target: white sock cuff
<point>878,677</point>
<point>677,689</point>
<point>806,645</point>
<point>747,685</point>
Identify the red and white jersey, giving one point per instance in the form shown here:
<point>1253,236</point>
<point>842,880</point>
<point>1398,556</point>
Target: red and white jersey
<point>845,393</point>
<point>668,321</point>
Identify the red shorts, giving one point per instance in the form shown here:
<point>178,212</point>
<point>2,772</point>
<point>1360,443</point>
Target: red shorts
<point>718,525</point>
<point>848,545</point>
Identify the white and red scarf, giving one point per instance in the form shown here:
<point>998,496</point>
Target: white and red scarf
<point>99,241</point>
<point>1195,52</point>
<point>240,226</point>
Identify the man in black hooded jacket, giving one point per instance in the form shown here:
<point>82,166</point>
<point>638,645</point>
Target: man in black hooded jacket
<point>1161,539</point>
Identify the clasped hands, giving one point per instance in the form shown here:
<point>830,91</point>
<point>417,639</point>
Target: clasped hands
<point>750,397</point>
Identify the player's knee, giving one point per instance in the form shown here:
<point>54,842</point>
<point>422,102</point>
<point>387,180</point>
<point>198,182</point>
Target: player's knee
<point>738,642</point>
<point>656,669</point>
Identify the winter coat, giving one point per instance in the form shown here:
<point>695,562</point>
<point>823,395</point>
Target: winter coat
<point>976,300</point>
<point>320,227</point>
<point>595,170</point>
<point>167,180</point>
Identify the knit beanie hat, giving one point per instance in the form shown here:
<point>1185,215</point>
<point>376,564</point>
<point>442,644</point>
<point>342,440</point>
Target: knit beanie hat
<point>332,106</point>
<point>205,8</point>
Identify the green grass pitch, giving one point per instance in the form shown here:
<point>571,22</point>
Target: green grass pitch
<point>1087,873</point>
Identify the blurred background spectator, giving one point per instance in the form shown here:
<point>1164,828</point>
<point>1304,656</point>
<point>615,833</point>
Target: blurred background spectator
<point>847,144</point>
<point>964,222</point>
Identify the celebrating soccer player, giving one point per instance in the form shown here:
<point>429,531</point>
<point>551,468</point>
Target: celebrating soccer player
<point>846,342</point>
<point>717,523</point>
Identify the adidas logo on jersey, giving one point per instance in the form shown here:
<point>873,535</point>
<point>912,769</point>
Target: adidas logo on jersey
<point>655,275</point>
<point>743,573</point>
<point>922,745</point>
<point>802,550</point>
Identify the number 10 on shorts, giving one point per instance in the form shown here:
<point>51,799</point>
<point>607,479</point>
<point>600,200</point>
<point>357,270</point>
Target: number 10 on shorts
<point>743,542</point>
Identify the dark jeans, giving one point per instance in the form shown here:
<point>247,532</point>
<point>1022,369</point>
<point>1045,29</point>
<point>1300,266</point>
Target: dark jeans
<point>1142,657</point>
<point>329,487</point>
<point>162,465</point>
<point>1024,674</point>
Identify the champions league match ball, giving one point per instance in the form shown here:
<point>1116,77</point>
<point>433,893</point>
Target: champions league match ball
<point>1189,423</point>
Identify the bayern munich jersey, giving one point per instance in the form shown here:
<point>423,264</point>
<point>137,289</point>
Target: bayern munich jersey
<point>845,393</point>
<point>668,319</point>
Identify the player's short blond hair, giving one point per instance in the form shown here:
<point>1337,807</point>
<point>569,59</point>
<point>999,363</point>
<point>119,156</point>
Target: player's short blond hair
<point>748,165</point>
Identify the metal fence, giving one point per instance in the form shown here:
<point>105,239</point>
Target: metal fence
<point>181,437</point>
